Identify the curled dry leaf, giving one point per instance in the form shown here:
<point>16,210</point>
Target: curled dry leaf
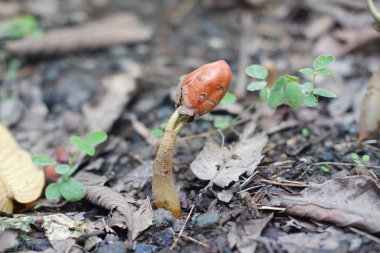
<point>350,201</point>
<point>224,165</point>
<point>61,227</point>
<point>20,179</point>
<point>369,122</point>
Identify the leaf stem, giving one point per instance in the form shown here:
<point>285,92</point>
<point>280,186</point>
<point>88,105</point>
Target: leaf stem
<point>374,12</point>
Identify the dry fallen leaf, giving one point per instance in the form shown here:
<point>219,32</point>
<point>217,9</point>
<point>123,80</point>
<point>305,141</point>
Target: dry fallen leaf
<point>20,179</point>
<point>369,122</point>
<point>350,201</point>
<point>244,234</point>
<point>224,165</point>
<point>60,227</point>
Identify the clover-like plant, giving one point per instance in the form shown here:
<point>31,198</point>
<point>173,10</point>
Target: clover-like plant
<point>197,94</point>
<point>360,161</point>
<point>69,188</point>
<point>288,89</point>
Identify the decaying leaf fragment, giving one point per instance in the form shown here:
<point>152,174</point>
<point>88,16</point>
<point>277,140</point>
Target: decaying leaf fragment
<point>224,165</point>
<point>369,122</point>
<point>350,201</point>
<point>20,179</point>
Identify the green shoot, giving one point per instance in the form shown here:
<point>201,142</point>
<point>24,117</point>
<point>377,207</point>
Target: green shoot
<point>360,161</point>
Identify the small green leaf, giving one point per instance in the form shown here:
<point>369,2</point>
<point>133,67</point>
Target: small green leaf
<point>157,132</point>
<point>72,190</point>
<point>311,101</point>
<point>294,94</point>
<point>305,132</point>
<point>290,78</point>
<point>307,71</point>
<point>324,93</point>
<point>325,168</point>
<point>257,71</point>
<point>181,77</point>
<point>96,138</point>
<point>53,191</point>
<point>82,145</point>
<point>264,94</point>
<point>256,85</point>
<point>324,72</point>
<point>221,123</point>
<point>308,87</point>
<point>277,93</point>
<point>42,160</point>
<point>323,61</point>
<point>355,156</point>
<point>62,168</point>
<point>365,158</point>
<point>229,98</point>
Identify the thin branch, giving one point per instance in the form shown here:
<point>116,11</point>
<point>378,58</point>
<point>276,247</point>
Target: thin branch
<point>374,12</point>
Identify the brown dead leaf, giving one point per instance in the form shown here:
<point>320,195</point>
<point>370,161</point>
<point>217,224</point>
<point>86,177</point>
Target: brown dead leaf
<point>244,234</point>
<point>117,29</point>
<point>224,165</point>
<point>369,122</point>
<point>350,201</point>
<point>20,179</point>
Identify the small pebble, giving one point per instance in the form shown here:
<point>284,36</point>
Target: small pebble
<point>145,248</point>
<point>207,220</point>
<point>162,218</point>
<point>116,247</point>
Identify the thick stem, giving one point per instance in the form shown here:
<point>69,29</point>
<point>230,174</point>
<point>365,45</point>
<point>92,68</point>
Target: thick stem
<point>163,189</point>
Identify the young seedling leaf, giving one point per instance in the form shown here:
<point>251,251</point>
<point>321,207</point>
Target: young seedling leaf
<point>257,71</point>
<point>365,158</point>
<point>229,98</point>
<point>221,123</point>
<point>96,138</point>
<point>264,94</point>
<point>294,95</point>
<point>324,72</point>
<point>72,190</point>
<point>290,78</point>
<point>53,191</point>
<point>324,93</point>
<point>157,132</point>
<point>355,156</point>
<point>42,160</point>
<point>311,101</point>
<point>277,93</point>
<point>62,168</point>
<point>256,85</point>
<point>323,61</point>
<point>307,71</point>
<point>308,87</point>
<point>82,145</point>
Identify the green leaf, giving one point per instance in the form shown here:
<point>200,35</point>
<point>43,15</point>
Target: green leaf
<point>325,168</point>
<point>72,190</point>
<point>355,156</point>
<point>53,191</point>
<point>277,93</point>
<point>82,145</point>
<point>365,158</point>
<point>323,61</point>
<point>221,123</point>
<point>324,72</point>
<point>181,77</point>
<point>256,85</point>
<point>229,98</point>
<point>264,94</point>
<point>308,87</point>
<point>42,160</point>
<point>257,71</point>
<point>95,138</point>
<point>305,132</point>
<point>324,93</point>
<point>157,132</point>
<point>307,71</point>
<point>294,94</point>
<point>62,168</point>
<point>311,101</point>
<point>290,78</point>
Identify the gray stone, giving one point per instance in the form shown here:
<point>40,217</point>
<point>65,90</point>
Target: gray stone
<point>162,218</point>
<point>145,248</point>
<point>116,247</point>
<point>207,220</point>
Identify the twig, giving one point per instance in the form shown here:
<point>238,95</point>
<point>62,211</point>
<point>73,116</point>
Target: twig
<point>285,184</point>
<point>343,164</point>
<point>369,236</point>
<point>192,239</point>
<point>182,229</point>
<point>271,208</point>
<point>374,12</point>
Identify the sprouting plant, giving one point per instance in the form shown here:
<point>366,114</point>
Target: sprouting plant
<point>360,161</point>
<point>198,93</point>
<point>305,132</point>
<point>70,189</point>
<point>325,168</point>
<point>287,89</point>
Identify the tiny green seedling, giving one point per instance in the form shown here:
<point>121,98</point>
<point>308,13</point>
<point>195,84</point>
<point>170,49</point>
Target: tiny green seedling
<point>325,168</point>
<point>360,161</point>
<point>70,189</point>
<point>288,89</point>
<point>305,132</point>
